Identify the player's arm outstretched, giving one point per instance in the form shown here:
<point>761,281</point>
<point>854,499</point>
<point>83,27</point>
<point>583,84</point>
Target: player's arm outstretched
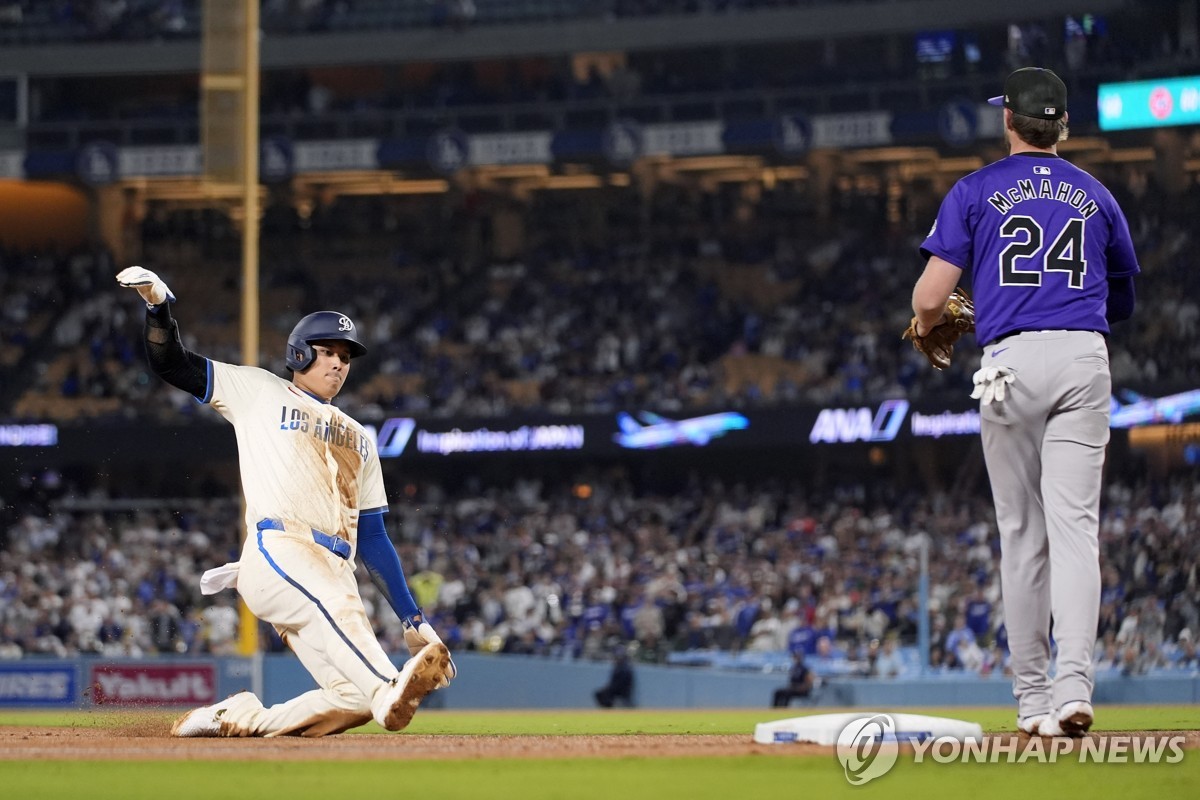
<point>169,359</point>
<point>383,564</point>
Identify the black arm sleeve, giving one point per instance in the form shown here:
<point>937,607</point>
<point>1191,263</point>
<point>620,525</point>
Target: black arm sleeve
<point>1121,299</point>
<point>169,359</point>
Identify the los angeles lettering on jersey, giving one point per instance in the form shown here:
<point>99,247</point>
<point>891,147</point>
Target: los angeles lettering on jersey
<point>297,419</point>
<point>1004,200</point>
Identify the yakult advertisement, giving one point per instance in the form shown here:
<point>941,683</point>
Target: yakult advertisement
<point>173,685</point>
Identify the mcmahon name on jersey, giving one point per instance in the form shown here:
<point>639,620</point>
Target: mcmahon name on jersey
<point>1044,189</point>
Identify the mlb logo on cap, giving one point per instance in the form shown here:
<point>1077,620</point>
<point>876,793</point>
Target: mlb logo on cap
<point>1034,92</point>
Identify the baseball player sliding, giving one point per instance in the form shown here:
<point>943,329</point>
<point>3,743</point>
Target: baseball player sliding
<point>1052,264</point>
<point>314,502</point>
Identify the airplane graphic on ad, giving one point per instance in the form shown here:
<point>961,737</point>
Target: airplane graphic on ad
<point>653,431</point>
<point>1141,410</point>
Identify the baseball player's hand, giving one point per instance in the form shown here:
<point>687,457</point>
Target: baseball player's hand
<point>417,634</point>
<point>937,343</point>
<point>990,383</point>
<point>151,287</point>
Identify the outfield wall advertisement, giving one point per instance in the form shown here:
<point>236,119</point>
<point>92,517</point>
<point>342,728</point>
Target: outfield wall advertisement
<point>532,683</point>
<point>38,685</point>
<point>153,684</point>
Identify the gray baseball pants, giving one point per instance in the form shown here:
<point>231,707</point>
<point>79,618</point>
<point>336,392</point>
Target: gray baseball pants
<point>1044,447</point>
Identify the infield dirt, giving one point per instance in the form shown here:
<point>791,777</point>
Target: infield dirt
<point>148,740</point>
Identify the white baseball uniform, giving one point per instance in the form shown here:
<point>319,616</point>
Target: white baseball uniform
<point>307,472</point>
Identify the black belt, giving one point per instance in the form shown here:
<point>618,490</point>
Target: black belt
<point>334,544</point>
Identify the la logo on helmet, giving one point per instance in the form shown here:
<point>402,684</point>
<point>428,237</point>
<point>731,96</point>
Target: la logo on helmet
<point>344,324</point>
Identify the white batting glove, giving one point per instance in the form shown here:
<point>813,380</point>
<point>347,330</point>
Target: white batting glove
<point>990,383</point>
<point>420,635</point>
<point>151,287</point>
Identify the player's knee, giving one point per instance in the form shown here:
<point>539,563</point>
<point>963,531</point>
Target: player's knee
<point>347,698</point>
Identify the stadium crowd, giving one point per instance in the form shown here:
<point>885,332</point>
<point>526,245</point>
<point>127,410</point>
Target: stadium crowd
<point>672,299</point>
<point>578,568</point>
<point>37,287</point>
<point>590,303</point>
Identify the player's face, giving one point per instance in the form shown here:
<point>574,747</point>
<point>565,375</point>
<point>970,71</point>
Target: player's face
<point>325,376</point>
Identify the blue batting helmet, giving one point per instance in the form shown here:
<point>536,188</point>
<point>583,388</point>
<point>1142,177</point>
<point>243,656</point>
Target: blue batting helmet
<point>318,327</point>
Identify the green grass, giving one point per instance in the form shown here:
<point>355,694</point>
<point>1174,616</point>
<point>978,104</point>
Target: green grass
<point>589,721</point>
<point>777,775</point>
<point>581,779</point>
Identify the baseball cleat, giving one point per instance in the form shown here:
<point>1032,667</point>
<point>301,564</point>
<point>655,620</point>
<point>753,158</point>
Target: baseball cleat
<point>206,720</point>
<point>1076,718</point>
<point>1050,727</point>
<point>1032,724</point>
<point>422,673</point>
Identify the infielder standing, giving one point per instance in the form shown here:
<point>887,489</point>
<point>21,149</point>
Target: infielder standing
<point>1052,264</point>
<point>314,500</point>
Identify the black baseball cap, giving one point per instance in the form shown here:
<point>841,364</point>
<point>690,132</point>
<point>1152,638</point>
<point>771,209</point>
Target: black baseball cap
<point>1034,92</point>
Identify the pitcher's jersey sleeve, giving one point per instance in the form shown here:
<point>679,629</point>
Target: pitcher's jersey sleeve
<point>950,236</point>
<point>1122,260</point>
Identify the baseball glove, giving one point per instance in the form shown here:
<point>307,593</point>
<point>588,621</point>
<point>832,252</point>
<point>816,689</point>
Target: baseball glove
<point>937,344</point>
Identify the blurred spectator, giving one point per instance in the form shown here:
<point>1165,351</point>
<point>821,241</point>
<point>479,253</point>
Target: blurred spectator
<point>164,626</point>
<point>220,629</point>
<point>887,664</point>
<point>799,686</point>
<point>960,643</point>
<point>1132,663</point>
<point>978,613</point>
<point>619,688</point>
<point>1187,657</point>
<point>765,634</point>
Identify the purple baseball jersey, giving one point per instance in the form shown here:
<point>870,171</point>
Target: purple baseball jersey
<point>1040,238</point>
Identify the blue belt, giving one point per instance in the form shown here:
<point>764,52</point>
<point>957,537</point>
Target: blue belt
<point>334,544</point>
